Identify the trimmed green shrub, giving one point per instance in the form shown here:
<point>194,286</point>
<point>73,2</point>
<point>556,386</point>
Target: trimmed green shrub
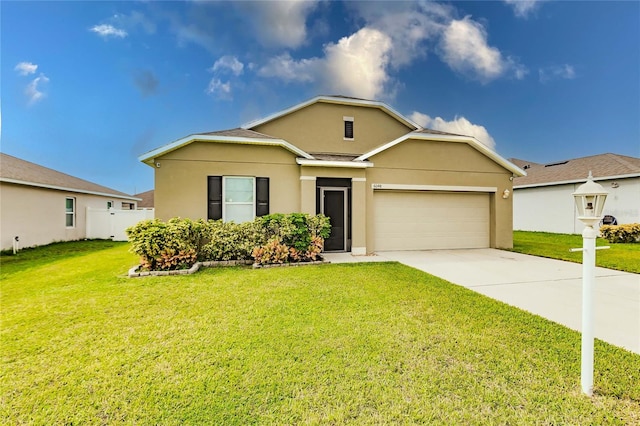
<point>628,233</point>
<point>301,234</point>
<point>179,243</point>
<point>230,240</point>
<point>166,246</point>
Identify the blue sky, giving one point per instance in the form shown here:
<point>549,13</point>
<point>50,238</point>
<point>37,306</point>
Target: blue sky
<point>87,87</point>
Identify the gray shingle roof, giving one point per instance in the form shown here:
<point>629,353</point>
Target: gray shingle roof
<point>239,133</point>
<point>602,165</point>
<point>438,132</point>
<point>16,169</point>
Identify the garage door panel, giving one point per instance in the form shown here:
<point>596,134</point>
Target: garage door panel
<point>425,220</point>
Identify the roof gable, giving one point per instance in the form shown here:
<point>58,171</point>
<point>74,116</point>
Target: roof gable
<point>18,171</point>
<point>238,136</point>
<point>602,166</point>
<point>342,100</point>
<point>434,135</point>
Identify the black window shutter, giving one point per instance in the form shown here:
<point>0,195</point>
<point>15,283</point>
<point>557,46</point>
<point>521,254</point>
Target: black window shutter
<point>214,197</point>
<point>262,196</point>
<point>348,129</point>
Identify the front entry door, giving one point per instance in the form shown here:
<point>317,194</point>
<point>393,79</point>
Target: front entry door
<point>333,203</point>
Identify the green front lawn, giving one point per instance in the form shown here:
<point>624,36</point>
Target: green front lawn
<point>363,344</point>
<point>623,257</point>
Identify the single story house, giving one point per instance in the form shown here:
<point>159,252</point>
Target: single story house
<point>385,182</point>
<point>41,205</point>
<point>542,199</point>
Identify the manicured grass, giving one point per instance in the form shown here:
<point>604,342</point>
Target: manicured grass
<point>623,257</point>
<point>363,344</point>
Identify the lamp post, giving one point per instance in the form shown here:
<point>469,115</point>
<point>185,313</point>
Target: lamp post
<point>589,198</point>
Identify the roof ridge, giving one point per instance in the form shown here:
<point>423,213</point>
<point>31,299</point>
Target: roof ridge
<point>623,160</point>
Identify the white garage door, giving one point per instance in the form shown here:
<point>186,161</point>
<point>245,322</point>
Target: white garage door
<point>405,220</point>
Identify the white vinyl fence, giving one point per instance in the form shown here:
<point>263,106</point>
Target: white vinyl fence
<point>109,224</point>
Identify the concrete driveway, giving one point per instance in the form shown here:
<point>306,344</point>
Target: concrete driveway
<point>546,287</point>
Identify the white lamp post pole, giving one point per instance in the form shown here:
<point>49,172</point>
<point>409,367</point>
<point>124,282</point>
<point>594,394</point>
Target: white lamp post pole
<point>588,276</point>
<point>589,198</point>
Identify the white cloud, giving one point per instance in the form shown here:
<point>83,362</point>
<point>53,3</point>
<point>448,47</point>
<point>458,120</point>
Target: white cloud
<point>522,8</point>
<point>219,90</point>
<point>408,24</point>
<point>26,68</point>
<point>288,69</point>
<point>33,92</point>
<point>458,126</point>
<point>228,63</point>
<point>394,35</point>
<point>465,49</point>
<point>106,31</point>
<point>355,66</point>
<point>279,23</point>
<point>556,72</point>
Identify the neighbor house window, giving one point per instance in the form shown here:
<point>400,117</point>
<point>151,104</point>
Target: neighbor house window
<point>348,128</point>
<point>70,212</point>
<point>109,204</point>
<point>237,198</point>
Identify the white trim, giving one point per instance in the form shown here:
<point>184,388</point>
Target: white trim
<point>326,163</point>
<point>334,100</point>
<point>358,251</point>
<point>573,181</point>
<point>443,188</point>
<point>448,138</point>
<point>313,178</point>
<point>348,119</point>
<point>357,179</point>
<point>151,155</point>
<point>72,213</point>
<point>62,188</point>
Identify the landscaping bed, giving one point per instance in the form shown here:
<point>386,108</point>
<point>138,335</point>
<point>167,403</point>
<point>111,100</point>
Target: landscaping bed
<point>183,246</point>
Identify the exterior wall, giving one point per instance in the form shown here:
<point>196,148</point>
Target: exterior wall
<point>181,179</point>
<point>37,215</point>
<point>319,128</point>
<point>552,208</point>
<point>446,164</point>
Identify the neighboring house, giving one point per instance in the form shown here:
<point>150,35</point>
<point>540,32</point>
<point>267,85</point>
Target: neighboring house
<point>41,205</point>
<point>146,199</point>
<point>542,200</point>
<point>386,183</point>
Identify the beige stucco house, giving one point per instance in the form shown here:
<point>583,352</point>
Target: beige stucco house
<point>385,182</point>
<point>41,205</point>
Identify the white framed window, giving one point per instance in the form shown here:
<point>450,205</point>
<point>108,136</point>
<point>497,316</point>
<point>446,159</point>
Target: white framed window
<point>238,193</point>
<point>70,212</point>
<point>348,128</point>
<point>109,204</point>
